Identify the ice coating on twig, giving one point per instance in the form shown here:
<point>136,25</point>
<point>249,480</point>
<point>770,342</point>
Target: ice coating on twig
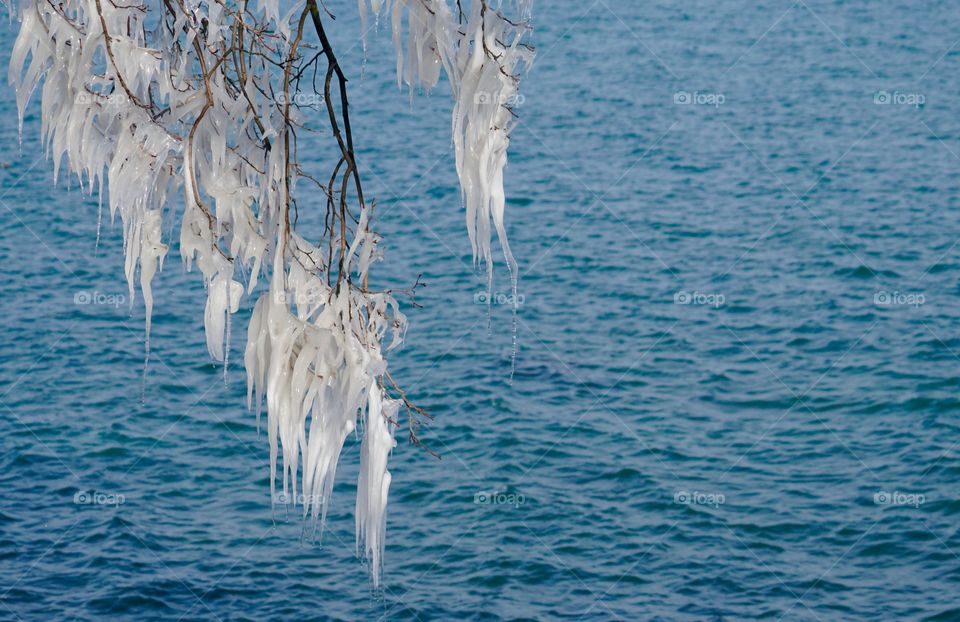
<point>182,111</point>
<point>374,484</point>
<point>483,53</point>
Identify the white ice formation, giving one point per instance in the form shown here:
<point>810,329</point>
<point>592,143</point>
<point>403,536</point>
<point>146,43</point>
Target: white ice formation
<point>180,98</point>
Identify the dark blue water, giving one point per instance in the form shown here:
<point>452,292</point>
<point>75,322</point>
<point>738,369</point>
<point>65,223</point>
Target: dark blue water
<point>784,446</point>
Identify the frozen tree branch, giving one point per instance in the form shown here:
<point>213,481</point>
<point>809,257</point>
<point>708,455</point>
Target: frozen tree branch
<point>198,99</point>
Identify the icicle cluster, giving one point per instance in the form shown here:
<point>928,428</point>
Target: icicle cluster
<point>192,99</point>
<point>483,53</point>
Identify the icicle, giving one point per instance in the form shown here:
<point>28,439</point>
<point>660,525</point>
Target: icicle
<point>373,485</point>
<point>223,297</point>
<point>226,348</point>
<point>481,61</point>
<point>123,106</point>
<point>152,253</point>
<point>96,245</point>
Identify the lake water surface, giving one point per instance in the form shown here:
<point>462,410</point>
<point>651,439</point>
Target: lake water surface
<point>736,392</point>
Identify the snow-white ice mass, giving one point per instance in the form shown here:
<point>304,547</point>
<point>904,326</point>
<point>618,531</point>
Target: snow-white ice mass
<point>156,101</point>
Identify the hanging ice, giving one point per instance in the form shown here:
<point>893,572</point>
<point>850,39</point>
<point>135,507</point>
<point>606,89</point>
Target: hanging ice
<point>482,53</point>
<point>194,99</point>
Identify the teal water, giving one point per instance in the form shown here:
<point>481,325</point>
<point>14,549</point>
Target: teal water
<point>783,446</point>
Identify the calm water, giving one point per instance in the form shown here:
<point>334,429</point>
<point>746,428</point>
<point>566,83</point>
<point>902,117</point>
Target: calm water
<point>782,447</point>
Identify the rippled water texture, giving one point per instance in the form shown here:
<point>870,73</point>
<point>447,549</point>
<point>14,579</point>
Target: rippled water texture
<point>783,446</point>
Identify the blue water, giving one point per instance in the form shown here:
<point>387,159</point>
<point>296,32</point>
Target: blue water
<point>725,459</point>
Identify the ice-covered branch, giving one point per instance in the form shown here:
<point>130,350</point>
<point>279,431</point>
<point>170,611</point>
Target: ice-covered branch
<point>482,52</point>
<point>186,111</point>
